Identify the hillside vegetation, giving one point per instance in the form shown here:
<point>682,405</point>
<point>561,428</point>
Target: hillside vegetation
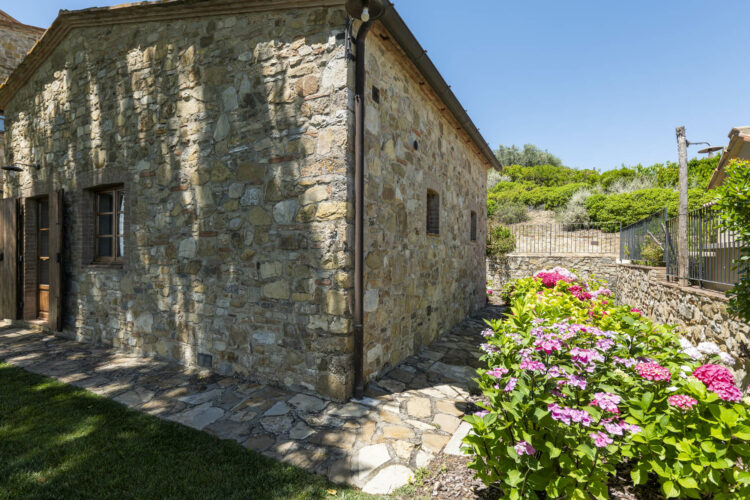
<point>623,195</point>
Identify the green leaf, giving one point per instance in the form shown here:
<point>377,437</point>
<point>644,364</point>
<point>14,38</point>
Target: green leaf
<point>671,490</point>
<point>687,482</point>
<point>639,474</point>
<point>514,477</point>
<point>742,432</point>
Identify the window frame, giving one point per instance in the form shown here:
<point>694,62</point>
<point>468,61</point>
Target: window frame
<point>431,230</point>
<point>117,231</point>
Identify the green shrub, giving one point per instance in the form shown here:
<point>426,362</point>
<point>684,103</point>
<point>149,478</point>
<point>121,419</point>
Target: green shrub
<point>577,387</point>
<point>511,213</point>
<point>500,241</point>
<point>652,254</point>
<point>628,208</point>
<point>550,175</point>
<point>531,195</point>
<point>733,202</point>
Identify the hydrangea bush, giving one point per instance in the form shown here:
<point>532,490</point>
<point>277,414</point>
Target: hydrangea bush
<point>577,386</point>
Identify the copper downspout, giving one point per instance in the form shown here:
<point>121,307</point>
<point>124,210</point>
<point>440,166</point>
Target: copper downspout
<point>359,208</point>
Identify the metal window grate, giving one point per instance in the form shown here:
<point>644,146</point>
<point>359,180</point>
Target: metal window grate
<point>433,213</point>
<point>473,226</point>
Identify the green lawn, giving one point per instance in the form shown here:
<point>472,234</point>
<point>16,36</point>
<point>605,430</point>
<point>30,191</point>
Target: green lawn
<point>57,441</point>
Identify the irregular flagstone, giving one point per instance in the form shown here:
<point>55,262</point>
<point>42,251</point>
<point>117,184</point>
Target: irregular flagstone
<point>388,480</point>
<point>277,424</point>
<point>279,408</point>
<point>350,410</point>
<point>368,459</point>
<point>135,397</point>
<point>447,423</point>
<point>199,416</point>
<point>305,403</point>
<point>300,431</point>
<point>434,442</point>
<point>454,445</point>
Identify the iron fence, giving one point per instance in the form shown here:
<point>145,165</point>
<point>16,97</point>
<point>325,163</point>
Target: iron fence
<point>711,250</point>
<point>643,242</point>
<point>576,239</point>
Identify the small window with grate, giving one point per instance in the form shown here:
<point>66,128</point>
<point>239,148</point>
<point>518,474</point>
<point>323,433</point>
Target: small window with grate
<point>433,212</point>
<point>109,237</point>
<point>473,226</point>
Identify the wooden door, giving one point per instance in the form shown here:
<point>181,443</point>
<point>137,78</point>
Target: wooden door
<point>56,262</point>
<point>42,256</point>
<point>8,259</point>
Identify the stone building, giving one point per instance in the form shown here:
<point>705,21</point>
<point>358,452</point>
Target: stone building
<point>191,189</point>
<point>16,39</point>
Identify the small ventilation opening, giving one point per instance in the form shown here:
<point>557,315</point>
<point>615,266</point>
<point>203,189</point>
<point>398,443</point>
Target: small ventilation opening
<point>205,360</point>
<point>433,212</point>
<point>473,226</point>
<point>375,94</point>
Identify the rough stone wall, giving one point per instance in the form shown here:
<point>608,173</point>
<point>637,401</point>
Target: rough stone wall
<point>700,314</point>
<point>501,270</point>
<point>15,42</point>
<point>229,134</point>
<point>416,285</point>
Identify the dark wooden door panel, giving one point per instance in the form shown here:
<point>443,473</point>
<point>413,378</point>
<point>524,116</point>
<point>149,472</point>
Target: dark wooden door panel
<point>55,260</point>
<point>8,259</point>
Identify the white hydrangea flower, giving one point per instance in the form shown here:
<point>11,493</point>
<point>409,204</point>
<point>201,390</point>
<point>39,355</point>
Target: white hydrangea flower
<point>694,353</point>
<point>708,348</point>
<point>685,343</point>
<point>726,358</point>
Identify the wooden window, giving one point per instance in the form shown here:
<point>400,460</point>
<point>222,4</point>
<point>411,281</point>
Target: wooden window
<point>433,212</point>
<point>109,225</point>
<point>473,226</point>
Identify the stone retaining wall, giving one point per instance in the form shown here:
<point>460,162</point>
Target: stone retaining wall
<point>500,270</point>
<point>700,314</point>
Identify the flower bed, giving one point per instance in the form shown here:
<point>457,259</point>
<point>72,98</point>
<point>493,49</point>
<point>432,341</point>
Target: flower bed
<point>577,386</point>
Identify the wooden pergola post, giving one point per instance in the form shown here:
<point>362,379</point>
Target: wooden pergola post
<point>683,262</point>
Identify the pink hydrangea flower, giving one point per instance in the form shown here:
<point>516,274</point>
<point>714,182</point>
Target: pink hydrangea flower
<point>481,413</point>
<point>531,365</point>
<point>637,311</point>
<point>550,279</point>
<point>601,439</point>
<point>497,372</point>
<point>682,401</point>
<point>487,333</point>
<point>512,381</point>
<point>575,381</point>
<point>607,401</point>
<point>567,415</point>
<point>585,356</point>
<point>653,371</point>
<point>524,448</point>
<point>605,344</point>
<point>719,379</point>
<point>548,344</point>
<point>489,348</point>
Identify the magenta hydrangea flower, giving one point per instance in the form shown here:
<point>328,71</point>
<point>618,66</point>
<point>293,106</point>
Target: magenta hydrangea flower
<point>531,365</point>
<point>613,428</point>
<point>607,401</point>
<point>524,448</point>
<point>575,381</point>
<point>719,379</point>
<point>601,439</point>
<point>585,356</point>
<point>567,415</point>
<point>497,372</point>
<point>550,279</point>
<point>548,344</point>
<point>624,361</point>
<point>637,311</point>
<point>605,344</point>
<point>682,401</point>
<point>512,381</point>
<point>653,371</point>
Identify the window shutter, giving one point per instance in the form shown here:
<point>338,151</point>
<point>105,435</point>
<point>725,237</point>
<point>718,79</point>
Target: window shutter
<point>55,261</point>
<point>8,259</point>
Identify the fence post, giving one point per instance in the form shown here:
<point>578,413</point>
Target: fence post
<point>667,243</point>
<point>700,248</point>
<point>550,238</point>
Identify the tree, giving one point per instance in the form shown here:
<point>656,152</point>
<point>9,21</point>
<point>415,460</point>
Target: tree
<point>530,156</point>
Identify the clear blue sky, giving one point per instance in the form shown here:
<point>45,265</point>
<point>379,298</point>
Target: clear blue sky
<point>597,83</point>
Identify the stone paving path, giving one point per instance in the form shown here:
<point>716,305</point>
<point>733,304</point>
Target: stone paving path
<point>376,443</point>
